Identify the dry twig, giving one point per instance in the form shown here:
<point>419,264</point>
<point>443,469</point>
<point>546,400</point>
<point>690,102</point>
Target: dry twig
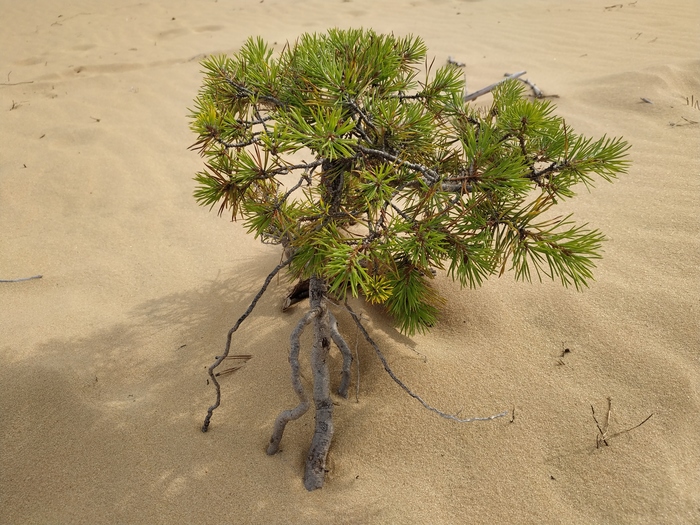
<point>238,357</point>
<point>688,122</point>
<point>603,437</point>
<point>21,279</point>
<point>8,83</point>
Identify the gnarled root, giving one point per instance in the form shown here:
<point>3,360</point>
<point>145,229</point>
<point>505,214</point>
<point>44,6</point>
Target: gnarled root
<point>298,411</point>
<point>315,471</point>
<point>346,353</point>
<point>325,331</point>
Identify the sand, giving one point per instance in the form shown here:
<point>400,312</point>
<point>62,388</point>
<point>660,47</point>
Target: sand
<point>103,385</point>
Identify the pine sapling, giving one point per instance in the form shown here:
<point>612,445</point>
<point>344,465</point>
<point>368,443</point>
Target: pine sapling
<point>375,175</point>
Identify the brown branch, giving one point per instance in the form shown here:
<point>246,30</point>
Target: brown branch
<point>431,175</point>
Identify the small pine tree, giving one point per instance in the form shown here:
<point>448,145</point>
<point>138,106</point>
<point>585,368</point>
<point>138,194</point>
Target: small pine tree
<point>373,180</point>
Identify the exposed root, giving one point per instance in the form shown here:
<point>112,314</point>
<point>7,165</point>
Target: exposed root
<point>346,353</point>
<point>315,471</point>
<point>389,371</point>
<point>301,409</point>
<point>220,359</point>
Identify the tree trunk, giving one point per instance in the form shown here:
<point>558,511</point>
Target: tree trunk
<point>316,459</point>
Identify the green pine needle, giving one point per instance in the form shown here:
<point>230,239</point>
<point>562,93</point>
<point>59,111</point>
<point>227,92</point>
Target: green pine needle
<point>375,175</point>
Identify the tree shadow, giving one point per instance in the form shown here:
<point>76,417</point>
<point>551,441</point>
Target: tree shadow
<point>131,396</point>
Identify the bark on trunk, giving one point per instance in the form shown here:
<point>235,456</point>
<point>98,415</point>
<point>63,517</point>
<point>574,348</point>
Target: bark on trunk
<point>316,459</point>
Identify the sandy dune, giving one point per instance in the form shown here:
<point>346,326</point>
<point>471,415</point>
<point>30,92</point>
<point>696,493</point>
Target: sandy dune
<point>102,361</point>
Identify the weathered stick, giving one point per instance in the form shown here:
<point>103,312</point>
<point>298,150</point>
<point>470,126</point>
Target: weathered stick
<point>223,356</point>
<point>21,279</point>
<point>483,91</point>
<point>301,409</point>
<point>537,91</point>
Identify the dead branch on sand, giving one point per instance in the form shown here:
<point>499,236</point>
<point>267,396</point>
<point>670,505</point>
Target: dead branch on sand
<point>21,279</point>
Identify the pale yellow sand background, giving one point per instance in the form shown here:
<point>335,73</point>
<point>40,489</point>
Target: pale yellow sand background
<point>102,362</point>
